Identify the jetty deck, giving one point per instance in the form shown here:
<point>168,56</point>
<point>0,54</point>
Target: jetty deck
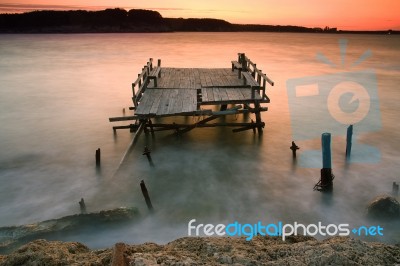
<point>166,92</point>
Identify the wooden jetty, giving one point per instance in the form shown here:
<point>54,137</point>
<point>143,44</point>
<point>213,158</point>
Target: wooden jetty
<point>160,92</point>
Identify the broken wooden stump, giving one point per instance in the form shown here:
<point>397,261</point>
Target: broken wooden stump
<point>325,184</point>
<point>348,141</point>
<point>395,189</point>
<point>294,148</point>
<point>98,157</point>
<point>82,206</point>
<point>146,195</point>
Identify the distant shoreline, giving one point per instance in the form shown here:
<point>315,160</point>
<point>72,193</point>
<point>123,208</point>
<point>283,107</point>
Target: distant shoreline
<point>139,21</point>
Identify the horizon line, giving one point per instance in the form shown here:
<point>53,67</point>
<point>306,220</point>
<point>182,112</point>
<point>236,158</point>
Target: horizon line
<point>15,8</point>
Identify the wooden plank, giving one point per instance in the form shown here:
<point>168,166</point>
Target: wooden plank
<point>210,94</point>
<point>250,80</point>
<point>186,103</point>
<point>163,106</point>
<point>223,94</point>
<point>204,94</point>
<point>123,118</point>
<point>143,107</point>
<point>193,97</point>
<point>157,98</point>
<point>171,101</point>
<point>232,95</point>
<point>179,102</point>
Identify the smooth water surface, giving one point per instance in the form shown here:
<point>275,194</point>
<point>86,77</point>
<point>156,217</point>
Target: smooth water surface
<point>58,91</point>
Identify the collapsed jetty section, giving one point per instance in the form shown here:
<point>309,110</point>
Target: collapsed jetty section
<point>206,93</point>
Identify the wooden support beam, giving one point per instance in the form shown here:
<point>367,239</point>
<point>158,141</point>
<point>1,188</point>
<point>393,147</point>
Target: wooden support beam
<point>123,118</point>
<point>258,117</point>
<point>185,126</point>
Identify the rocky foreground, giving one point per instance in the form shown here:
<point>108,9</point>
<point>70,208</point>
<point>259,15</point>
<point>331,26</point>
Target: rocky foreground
<point>297,250</point>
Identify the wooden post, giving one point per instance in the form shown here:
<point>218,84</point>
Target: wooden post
<point>326,150</point>
<point>151,64</point>
<point>151,127</point>
<point>395,189</point>
<point>243,62</point>
<point>326,171</point>
<point>82,206</point>
<point>98,157</point>
<point>348,141</point>
<point>146,195</point>
<point>258,117</point>
<point>294,148</point>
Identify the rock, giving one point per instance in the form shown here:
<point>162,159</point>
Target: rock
<point>42,252</point>
<point>384,207</point>
<point>12,237</point>
<point>225,251</point>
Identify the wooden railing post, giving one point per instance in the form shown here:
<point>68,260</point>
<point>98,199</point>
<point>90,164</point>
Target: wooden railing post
<point>243,62</point>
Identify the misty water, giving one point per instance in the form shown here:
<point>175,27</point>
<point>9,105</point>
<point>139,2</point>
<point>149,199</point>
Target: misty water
<point>58,91</point>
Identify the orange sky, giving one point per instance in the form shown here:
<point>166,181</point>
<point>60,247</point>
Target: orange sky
<point>343,14</point>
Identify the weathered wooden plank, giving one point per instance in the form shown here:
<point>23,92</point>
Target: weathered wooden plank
<point>163,106</point>
<point>223,94</point>
<point>186,103</point>
<point>157,98</point>
<point>143,107</point>
<point>210,95</point>
<point>179,102</point>
<point>232,95</point>
<point>193,97</point>
<point>123,118</point>
<point>250,79</point>
<point>217,97</point>
<point>172,101</point>
<point>204,95</point>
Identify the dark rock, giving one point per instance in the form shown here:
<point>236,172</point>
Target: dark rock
<point>12,237</point>
<point>384,207</point>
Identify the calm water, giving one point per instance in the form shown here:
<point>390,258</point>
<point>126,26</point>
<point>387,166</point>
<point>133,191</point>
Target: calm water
<point>57,92</point>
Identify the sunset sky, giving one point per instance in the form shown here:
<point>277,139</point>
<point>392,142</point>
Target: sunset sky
<point>343,14</point>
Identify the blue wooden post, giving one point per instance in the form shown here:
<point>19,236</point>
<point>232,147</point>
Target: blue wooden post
<point>348,140</point>
<point>326,150</point>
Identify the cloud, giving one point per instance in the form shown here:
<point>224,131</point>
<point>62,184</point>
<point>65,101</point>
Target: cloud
<point>19,8</point>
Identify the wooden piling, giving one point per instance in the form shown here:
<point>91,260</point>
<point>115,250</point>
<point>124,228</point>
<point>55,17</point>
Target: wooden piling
<point>326,182</point>
<point>82,206</point>
<point>326,150</point>
<point>395,189</point>
<point>243,62</point>
<point>294,148</point>
<point>258,117</point>
<point>146,195</point>
<point>98,156</point>
<point>349,141</point>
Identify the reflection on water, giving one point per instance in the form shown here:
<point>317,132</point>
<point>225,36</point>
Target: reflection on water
<point>57,92</point>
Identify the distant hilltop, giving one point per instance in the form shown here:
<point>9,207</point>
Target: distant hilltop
<point>134,20</point>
